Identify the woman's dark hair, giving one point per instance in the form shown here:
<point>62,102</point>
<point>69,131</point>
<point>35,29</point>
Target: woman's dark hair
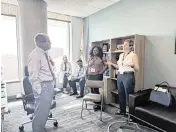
<point>100,54</point>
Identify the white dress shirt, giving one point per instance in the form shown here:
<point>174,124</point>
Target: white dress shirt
<point>80,72</point>
<point>123,60</point>
<point>38,69</point>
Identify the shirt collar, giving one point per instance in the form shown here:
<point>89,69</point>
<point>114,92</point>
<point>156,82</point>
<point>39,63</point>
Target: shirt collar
<point>40,50</point>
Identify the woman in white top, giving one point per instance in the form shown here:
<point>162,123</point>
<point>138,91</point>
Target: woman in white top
<point>127,65</point>
<point>65,72</point>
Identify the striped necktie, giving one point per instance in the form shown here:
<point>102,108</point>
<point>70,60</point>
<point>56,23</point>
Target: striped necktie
<point>52,73</point>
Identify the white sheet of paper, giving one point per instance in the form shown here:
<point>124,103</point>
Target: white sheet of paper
<point>92,69</point>
<point>121,70</point>
<point>161,89</point>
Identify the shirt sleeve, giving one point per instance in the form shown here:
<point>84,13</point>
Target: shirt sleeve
<point>120,59</point>
<point>104,59</point>
<point>136,62</point>
<point>34,69</point>
<point>83,73</point>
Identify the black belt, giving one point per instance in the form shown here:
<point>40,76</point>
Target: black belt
<point>127,72</point>
<point>48,81</point>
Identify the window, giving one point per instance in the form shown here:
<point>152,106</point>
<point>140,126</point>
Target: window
<point>9,59</point>
<point>58,32</point>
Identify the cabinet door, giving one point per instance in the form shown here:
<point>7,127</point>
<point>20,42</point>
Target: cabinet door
<point>139,43</point>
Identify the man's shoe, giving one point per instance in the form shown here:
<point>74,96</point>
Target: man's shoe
<point>73,94</point>
<point>97,107</point>
<point>79,96</point>
<point>65,91</point>
<point>120,113</point>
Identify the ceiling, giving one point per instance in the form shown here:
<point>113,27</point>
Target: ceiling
<point>79,8</point>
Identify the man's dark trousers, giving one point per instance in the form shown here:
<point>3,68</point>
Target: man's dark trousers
<point>65,81</point>
<point>81,85</point>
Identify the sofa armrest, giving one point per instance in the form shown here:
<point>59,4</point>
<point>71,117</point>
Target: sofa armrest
<point>20,96</point>
<point>138,98</point>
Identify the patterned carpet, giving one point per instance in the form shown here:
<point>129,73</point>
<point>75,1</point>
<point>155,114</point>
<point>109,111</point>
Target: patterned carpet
<point>67,113</point>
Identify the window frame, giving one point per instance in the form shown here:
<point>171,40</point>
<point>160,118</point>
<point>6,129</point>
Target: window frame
<point>18,45</point>
<point>69,33</point>
<point>18,49</point>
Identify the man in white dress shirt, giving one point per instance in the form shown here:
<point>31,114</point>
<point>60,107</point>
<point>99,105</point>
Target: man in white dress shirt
<point>79,76</point>
<point>42,79</point>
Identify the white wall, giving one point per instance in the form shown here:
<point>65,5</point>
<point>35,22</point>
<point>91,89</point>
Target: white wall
<point>13,89</point>
<point>76,34</point>
<point>154,18</point>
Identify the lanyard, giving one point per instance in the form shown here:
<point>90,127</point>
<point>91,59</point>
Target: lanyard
<point>125,57</point>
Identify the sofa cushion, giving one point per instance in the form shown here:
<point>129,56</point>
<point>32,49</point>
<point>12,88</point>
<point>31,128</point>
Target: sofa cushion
<point>92,97</point>
<point>160,116</point>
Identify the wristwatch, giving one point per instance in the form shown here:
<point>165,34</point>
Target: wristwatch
<point>132,66</point>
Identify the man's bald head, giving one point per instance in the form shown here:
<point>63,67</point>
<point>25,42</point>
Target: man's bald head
<point>42,41</point>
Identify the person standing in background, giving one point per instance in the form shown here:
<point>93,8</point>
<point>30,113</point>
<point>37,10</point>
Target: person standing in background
<point>41,77</point>
<point>96,68</point>
<point>127,65</point>
<point>65,72</point>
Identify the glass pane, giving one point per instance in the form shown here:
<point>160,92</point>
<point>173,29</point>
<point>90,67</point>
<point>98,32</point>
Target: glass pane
<point>9,54</point>
<point>59,35</point>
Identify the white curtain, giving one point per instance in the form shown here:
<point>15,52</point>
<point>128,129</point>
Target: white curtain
<point>76,34</point>
<point>86,39</point>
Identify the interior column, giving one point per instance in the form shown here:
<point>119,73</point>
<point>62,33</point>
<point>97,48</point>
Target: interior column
<point>31,19</point>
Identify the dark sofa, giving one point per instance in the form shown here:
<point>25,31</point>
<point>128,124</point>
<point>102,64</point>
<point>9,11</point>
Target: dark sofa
<point>155,114</point>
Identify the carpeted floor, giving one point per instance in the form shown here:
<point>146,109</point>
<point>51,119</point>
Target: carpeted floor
<point>67,113</point>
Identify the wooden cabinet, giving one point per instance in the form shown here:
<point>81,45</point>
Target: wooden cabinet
<point>115,48</point>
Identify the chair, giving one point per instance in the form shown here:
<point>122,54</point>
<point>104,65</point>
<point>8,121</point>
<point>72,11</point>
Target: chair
<point>28,100</point>
<point>91,97</point>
